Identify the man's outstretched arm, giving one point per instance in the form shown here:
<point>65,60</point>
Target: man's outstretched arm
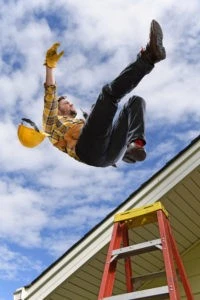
<point>50,78</point>
<point>50,111</point>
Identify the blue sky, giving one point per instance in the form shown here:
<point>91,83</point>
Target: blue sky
<point>48,200</point>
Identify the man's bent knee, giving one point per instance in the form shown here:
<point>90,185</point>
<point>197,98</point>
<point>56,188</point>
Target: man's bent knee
<point>137,101</point>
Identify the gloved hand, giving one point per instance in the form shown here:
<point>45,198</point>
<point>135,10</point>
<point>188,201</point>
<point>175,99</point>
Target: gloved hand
<point>52,57</point>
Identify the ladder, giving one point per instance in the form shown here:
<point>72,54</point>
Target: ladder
<point>166,243</point>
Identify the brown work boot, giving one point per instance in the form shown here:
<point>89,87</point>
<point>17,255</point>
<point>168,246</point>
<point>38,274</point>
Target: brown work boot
<point>154,51</point>
<point>134,153</point>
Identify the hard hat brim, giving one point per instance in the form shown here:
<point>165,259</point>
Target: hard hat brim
<point>29,137</point>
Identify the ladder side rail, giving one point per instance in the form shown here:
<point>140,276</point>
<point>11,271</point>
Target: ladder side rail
<point>127,260</point>
<point>180,265</point>
<point>108,277</point>
<point>172,279</point>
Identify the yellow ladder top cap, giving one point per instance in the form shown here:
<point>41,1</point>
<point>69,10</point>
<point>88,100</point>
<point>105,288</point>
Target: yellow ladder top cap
<point>141,212</point>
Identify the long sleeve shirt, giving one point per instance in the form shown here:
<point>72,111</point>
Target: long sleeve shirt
<point>63,132</point>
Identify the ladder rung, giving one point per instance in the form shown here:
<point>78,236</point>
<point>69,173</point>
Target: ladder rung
<point>155,293</point>
<point>148,276</point>
<point>137,249</point>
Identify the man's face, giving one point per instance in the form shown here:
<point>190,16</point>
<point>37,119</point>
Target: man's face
<point>66,108</point>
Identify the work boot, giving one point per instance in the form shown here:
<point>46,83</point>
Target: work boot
<point>154,51</point>
<point>134,153</point>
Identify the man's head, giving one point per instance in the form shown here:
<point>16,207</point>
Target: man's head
<point>66,108</point>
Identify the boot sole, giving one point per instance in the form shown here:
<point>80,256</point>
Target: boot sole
<point>156,30</point>
<point>136,154</point>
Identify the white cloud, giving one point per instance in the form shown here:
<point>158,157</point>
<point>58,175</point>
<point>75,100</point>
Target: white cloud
<point>97,35</point>
<point>23,217</point>
<point>188,135</point>
<point>12,264</point>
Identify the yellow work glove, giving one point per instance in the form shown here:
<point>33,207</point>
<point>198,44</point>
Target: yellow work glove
<point>52,57</point>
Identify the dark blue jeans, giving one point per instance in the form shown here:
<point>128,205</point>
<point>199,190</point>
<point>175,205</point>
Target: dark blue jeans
<point>103,141</point>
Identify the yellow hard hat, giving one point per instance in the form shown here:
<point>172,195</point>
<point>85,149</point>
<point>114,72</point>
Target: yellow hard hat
<point>30,137</point>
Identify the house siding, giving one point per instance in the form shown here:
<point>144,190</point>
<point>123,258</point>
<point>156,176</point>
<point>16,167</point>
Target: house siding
<point>191,262</point>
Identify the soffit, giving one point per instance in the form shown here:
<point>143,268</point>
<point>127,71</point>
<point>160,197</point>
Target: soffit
<point>183,204</point>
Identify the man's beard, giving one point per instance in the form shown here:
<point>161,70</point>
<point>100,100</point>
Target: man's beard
<point>73,113</point>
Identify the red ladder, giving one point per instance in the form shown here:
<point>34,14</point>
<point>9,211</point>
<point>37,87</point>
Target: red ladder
<point>166,243</point>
